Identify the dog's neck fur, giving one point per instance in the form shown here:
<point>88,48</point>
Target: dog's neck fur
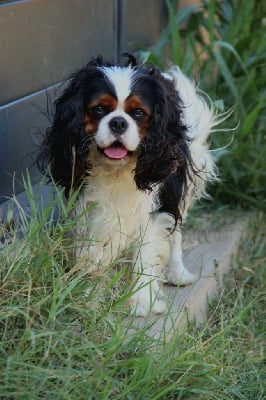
<point>112,188</point>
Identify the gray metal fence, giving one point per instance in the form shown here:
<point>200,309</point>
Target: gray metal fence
<point>41,43</point>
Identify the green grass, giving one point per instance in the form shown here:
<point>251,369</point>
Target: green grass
<point>222,45</point>
<point>57,343</point>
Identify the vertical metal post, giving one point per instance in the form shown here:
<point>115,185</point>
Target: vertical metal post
<point>117,24</point>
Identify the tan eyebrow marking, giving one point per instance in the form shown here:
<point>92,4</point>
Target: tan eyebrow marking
<point>134,102</point>
<point>105,100</point>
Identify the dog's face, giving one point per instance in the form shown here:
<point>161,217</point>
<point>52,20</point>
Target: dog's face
<point>118,111</point>
<point>114,115</point>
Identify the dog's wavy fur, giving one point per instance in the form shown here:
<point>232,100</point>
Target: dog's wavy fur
<point>142,197</point>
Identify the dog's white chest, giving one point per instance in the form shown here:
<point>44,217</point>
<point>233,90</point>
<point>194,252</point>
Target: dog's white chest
<point>118,215</point>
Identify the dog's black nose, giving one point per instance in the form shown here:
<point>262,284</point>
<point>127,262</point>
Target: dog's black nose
<point>118,125</point>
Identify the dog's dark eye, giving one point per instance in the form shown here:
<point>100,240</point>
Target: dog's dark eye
<point>98,111</point>
<point>138,114</point>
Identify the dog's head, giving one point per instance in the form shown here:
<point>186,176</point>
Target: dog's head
<point>116,115</point>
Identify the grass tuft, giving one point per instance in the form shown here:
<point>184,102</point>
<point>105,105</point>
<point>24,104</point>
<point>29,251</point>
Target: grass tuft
<point>58,343</point>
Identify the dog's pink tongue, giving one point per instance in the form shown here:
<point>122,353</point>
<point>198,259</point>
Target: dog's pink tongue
<point>115,152</point>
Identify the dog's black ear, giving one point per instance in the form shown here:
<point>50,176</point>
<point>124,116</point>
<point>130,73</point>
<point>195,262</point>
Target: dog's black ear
<point>164,156</point>
<point>164,150</point>
<point>65,149</point>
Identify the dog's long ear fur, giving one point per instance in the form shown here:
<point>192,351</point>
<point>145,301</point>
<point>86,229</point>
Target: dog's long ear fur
<point>65,149</point>
<point>164,155</point>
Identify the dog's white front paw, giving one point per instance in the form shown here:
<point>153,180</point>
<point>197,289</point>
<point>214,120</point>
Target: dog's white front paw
<point>144,302</point>
<point>177,274</point>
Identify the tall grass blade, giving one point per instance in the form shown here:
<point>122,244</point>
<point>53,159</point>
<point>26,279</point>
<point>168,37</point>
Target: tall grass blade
<point>229,79</point>
<point>230,47</point>
<point>251,118</point>
<point>175,35</point>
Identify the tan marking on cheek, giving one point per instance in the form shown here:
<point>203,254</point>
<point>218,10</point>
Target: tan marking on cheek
<point>143,127</point>
<point>134,102</point>
<point>91,125</point>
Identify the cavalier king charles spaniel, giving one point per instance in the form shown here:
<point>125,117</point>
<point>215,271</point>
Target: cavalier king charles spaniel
<point>133,140</point>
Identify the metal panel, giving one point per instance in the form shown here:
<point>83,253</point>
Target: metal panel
<point>142,22</point>
<point>22,124</point>
<point>42,41</point>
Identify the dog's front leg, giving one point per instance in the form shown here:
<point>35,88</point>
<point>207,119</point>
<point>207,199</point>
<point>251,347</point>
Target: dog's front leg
<point>89,237</point>
<point>148,297</point>
<point>88,255</point>
<point>176,273</point>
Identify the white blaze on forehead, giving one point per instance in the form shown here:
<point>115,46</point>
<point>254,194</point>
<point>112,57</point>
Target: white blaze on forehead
<point>121,79</point>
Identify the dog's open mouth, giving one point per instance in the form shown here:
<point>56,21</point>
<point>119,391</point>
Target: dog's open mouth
<point>116,151</point>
